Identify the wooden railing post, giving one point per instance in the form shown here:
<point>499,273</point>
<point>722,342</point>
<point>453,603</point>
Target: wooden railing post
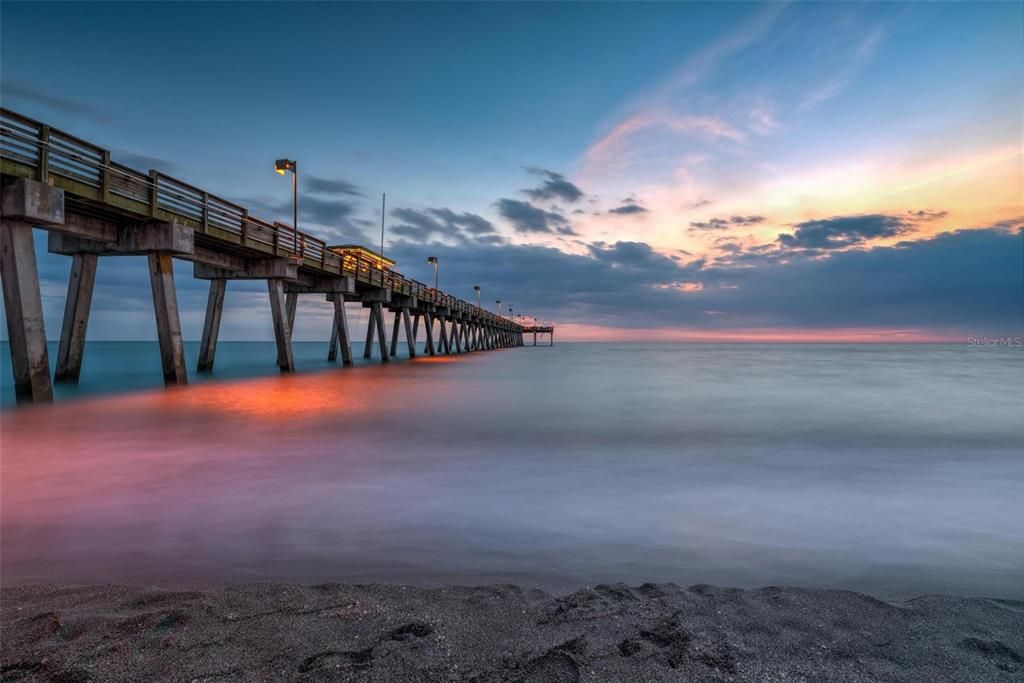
<point>105,175</point>
<point>43,172</point>
<point>245,227</point>
<point>153,193</point>
<point>277,240</point>
<point>206,212</point>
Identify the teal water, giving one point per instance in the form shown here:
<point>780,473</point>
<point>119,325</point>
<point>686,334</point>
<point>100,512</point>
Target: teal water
<point>112,367</point>
<point>896,470</point>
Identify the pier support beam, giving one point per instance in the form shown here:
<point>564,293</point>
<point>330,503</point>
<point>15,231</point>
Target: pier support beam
<point>282,331</point>
<point>428,327</point>
<point>168,324</point>
<point>291,302</point>
<point>340,335</point>
<point>443,338</point>
<point>454,341</point>
<point>394,332</point>
<point>381,335</point>
<point>410,336</point>
<point>24,307</point>
<point>211,325</point>
<point>76,318</point>
<point>375,327</point>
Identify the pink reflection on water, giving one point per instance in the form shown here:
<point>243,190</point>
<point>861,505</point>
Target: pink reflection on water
<point>207,479</point>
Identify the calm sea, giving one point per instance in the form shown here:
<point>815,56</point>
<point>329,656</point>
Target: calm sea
<point>896,470</point>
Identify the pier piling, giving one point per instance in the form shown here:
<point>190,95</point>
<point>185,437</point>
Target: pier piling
<point>211,325</point>
<point>168,324</point>
<point>76,317</point>
<point>282,331</point>
<point>24,307</point>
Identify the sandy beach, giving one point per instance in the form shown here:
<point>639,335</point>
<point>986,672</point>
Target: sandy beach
<point>663,632</point>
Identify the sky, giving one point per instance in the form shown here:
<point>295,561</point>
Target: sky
<point>665,171</point>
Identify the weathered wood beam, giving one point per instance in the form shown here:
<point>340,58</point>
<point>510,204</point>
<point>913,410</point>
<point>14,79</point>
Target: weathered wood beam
<point>282,333</point>
<point>410,336</point>
<point>168,324</point>
<point>250,269</point>
<point>133,239</point>
<point>76,318</point>
<point>23,306</point>
<point>340,334</point>
<point>394,332</point>
<point>309,284</point>
<point>428,326</point>
<point>371,327</point>
<point>33,202</point>
<point>443,335</point>
<point>211,325</point>
<point>381,337</point>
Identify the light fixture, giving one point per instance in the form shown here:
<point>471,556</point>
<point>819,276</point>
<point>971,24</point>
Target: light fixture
<point>433,259</point>
<point>282,166</point>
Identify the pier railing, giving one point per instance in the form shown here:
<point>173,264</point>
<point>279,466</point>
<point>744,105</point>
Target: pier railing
<point>35,150</point>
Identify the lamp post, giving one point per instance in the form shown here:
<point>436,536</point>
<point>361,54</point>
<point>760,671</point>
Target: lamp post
<point>510,316</point>
<point>282,166</point>
<point>433,259</point>
<point>476,288</point>
<point>497,307</point>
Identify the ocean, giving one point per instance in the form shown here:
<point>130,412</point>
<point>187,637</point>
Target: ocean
<point>892,469</point>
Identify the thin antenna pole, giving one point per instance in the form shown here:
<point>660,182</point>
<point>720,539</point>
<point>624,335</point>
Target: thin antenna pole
<point>383,199</point>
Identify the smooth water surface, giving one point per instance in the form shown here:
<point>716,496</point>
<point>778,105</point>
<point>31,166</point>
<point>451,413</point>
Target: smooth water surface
<point>892,469</point>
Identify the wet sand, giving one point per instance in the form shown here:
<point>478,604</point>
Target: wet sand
<point>257,632</point>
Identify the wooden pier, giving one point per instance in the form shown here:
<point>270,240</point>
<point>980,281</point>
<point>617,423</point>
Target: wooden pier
<point>92,207</point>
<point>539,328</point>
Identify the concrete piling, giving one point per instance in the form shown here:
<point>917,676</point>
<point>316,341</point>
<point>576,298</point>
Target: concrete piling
<point>168,324</point>
<point>282,331</point>
<point>24,308</point>
<point>340,335</point>
<point>211,325</point>
<point>76,318</point>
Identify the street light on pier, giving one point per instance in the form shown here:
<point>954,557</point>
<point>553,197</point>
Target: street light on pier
<point>282,166</point>
<point>497,307</point>
<point>476,288</point>
<point>433,259</point>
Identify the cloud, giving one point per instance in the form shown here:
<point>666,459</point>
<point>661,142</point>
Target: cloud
<point>925,215</point>
<point>142,162</point>
<point>443,223</point>
<point>763,118</point>
<point>862,53</point>
<point>335,219</point>
<point>629,208</point>
<point>844,231</point>
<point>710,127</point>
<point>331,186</point>
<point>657,107</point>
<point>723,223</point>
<point>969,280</point>
<point>28,93</point>
<point>527,218</point>
<point>555,186</point>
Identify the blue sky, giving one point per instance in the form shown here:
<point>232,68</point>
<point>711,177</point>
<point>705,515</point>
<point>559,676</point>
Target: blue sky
<point>873,135</point>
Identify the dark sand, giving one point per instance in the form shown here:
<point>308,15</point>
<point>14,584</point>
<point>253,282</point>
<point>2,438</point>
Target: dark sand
<point>263,632</point>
